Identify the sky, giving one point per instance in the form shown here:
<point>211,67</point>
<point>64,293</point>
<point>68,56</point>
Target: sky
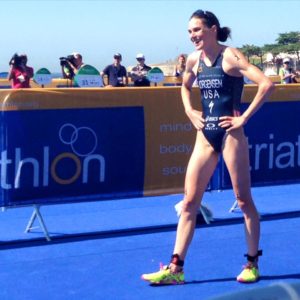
<point>48,29</point>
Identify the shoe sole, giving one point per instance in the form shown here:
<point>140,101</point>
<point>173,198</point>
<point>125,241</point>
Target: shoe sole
<point>162,283</point>
<point>165,283</point>
<point>244,281</point>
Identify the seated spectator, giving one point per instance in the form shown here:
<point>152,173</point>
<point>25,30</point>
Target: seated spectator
<point>19,72</point>
<point>139,73</point>
<point>287,74</point>
<point>180,67</point>
<point>116,73</point>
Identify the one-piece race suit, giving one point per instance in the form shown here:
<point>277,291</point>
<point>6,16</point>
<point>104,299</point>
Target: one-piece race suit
<point>220,96</point>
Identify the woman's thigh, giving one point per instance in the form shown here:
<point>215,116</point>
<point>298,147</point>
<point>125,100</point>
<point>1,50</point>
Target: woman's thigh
<point>200,168</point>
<point>236,157</point>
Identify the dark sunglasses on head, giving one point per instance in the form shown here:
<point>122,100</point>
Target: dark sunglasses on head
<point>210,18</point>
<point>201,12</point>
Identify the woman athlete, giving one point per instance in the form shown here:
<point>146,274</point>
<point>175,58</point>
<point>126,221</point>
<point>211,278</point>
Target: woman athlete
<point>219,71</point>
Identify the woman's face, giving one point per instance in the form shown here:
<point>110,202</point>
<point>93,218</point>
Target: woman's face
<point>199,33</point>
<point>181,60</point>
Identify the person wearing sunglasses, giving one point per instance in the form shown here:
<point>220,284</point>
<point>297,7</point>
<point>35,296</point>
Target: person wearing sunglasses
<point>219,71</point>
<point>286,73</point>
<point>116,73</point>
<point>139,73</point>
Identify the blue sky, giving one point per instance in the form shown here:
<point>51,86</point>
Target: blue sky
<point>46,30</point>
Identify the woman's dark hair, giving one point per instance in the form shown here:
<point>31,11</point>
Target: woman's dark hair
<point>210,19</point>
<point>182,55</point>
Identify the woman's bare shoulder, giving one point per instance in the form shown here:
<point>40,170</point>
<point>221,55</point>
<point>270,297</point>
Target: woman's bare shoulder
<point>192,60</point>
<point>233,54</point>
<point>234,61</point>
<point>194,56</point>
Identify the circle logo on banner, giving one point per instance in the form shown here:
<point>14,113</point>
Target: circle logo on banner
<point>42,76</point>
<point>156,75</point>
<point>77,138</point>
<point>88,76</point>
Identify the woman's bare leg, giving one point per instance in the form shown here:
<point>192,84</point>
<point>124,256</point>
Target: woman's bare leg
<point>200,169</point>
<point>236,157</point>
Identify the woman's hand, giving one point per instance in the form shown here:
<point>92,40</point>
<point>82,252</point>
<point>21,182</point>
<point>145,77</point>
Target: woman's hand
<point>196,118</point>
<point>231,122</point>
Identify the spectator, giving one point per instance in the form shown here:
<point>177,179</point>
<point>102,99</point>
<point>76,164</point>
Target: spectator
<point>19,72</point>
<point>180,67</point>
<point>71,64</point>
<point>116,73</point>
<point>139,73</point>
<point>287,74</point>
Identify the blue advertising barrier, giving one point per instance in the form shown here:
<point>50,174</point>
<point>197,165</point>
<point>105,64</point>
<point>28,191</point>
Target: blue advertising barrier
<point>74,145</point>
<point>45,157</point>
<point>70,145</point>
<point>274,145</point>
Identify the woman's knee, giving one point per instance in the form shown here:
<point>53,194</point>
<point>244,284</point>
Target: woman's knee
<point>190,205</point>
<point>246,204</point>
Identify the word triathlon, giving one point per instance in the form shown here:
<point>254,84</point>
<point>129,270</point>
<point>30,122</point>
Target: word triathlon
<point>42,168</point>
<point>275,155</point>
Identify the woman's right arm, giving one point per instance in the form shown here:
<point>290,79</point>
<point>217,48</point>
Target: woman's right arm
<point>186,89</point>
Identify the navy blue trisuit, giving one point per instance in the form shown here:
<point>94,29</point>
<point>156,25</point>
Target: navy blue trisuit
<point>220,96</point>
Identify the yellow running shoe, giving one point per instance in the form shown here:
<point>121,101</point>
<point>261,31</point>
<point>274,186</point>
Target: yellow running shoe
<point>164,276</point>
<point>250,274</point>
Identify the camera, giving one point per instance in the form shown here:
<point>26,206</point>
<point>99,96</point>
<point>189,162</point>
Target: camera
<point>15,60</point>
<point>66,60</point>
<point>65,63</point>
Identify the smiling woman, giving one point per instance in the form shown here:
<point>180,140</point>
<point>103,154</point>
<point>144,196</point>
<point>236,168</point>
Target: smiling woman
<point>209,20</point>
<point>219,72</point>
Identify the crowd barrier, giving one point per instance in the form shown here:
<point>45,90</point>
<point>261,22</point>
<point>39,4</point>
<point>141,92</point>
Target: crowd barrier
<point>63,83</point>
<point>67,145</point>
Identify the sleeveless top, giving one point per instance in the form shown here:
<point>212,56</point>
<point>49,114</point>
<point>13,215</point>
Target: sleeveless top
<point>220,96</point>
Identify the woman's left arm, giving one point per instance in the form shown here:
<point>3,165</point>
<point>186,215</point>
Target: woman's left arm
<point>265,85</point>
<point>237,62</point>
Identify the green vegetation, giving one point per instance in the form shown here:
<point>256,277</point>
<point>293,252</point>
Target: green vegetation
<point>286,43</point>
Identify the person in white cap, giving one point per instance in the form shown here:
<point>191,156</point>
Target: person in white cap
<point>286,73</point>
<point>139,73</point>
